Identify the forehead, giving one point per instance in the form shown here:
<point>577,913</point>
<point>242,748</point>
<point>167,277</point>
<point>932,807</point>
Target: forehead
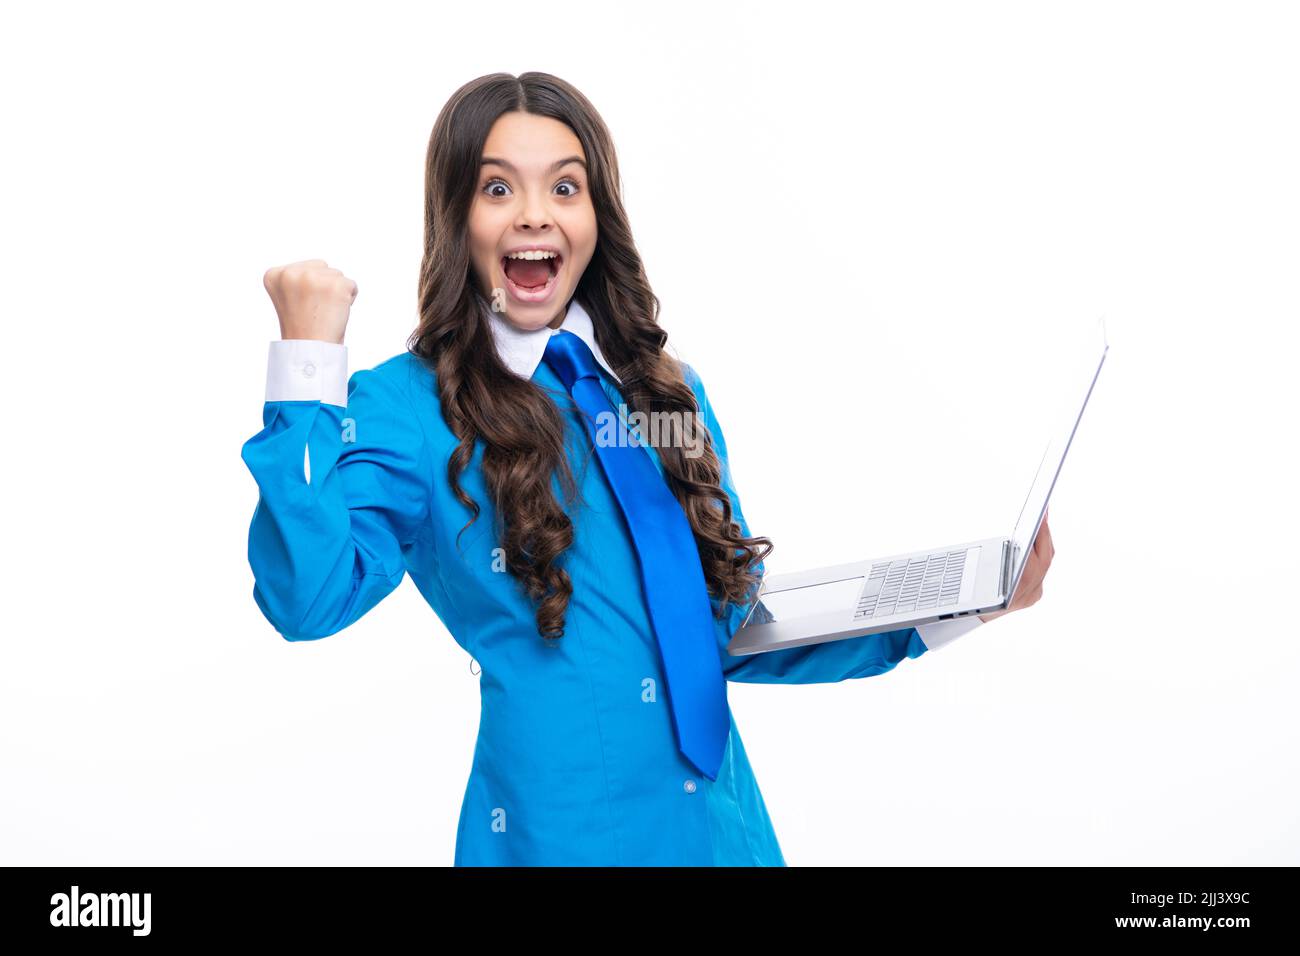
<point>531,143</point>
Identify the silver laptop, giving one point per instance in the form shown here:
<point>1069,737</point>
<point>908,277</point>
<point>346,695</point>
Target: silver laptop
<point>903,590</point>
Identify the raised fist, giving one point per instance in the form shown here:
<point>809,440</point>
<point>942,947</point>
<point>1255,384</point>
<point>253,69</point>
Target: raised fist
<point>312,300</point>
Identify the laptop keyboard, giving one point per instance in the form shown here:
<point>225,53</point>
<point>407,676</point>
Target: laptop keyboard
<point>914,584</point>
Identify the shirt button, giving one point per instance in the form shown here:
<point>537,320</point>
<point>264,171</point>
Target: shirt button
<point>689,786</point>
<point>309,370</point>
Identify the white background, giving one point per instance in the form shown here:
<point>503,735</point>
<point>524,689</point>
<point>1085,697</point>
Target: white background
<point>872,229</point>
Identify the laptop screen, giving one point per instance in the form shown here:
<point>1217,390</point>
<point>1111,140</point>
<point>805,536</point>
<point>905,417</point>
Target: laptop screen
<point>1031,513</point>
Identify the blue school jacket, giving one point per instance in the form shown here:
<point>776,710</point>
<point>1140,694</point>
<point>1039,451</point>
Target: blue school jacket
<point>576,762</point>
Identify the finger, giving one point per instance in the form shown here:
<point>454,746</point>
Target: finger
<point>1030,578</point>
<point>1042,559</point>
<point>1043,544</point>
<point>1027,596</point>
<point>1033,574</point>
<point>1038,556</point>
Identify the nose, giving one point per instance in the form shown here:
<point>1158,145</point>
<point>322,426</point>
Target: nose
<point>533,213</point>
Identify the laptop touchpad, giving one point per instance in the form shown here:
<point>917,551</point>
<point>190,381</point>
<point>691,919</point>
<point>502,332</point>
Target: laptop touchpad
<point>831,597</point>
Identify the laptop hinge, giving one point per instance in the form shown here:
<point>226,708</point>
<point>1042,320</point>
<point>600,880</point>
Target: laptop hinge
<point>1005,581</point>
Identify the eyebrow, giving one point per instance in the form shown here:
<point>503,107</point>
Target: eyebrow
<point>554,166</point>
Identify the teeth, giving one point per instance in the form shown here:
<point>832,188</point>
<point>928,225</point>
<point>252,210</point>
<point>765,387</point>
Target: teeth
<point>532,254</point>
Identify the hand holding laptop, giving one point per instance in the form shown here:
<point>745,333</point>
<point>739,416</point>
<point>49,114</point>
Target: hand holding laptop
<point>841,601</point>
<point>1030,588</point>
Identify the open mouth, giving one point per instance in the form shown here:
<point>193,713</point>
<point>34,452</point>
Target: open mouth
<point>531,280</point>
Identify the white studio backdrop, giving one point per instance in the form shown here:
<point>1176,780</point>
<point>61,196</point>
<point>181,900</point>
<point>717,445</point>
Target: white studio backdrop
<point>873,228</point>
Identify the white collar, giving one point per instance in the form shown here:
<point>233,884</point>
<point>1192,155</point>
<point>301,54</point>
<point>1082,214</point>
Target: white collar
<point>521,350</point>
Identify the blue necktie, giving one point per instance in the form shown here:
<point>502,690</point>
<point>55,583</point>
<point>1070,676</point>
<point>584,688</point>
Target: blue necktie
<point>671,572</point>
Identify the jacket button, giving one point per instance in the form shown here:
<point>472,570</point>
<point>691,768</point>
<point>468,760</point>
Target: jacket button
<point>689,786</point>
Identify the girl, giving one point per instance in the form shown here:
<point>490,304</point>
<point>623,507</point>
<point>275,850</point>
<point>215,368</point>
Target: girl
<point>467,461</point>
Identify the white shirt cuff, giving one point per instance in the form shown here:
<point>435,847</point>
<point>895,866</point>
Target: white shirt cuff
<point>936,635</point>
<point>307,370</point>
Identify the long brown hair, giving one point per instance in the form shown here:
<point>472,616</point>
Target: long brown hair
<point>520,426</point>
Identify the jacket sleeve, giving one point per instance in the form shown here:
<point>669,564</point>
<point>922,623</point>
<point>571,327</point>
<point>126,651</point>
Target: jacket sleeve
<point>343,473</point>
<point>833,661</point>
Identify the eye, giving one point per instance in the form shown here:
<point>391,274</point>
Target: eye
<point>494,182</point>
